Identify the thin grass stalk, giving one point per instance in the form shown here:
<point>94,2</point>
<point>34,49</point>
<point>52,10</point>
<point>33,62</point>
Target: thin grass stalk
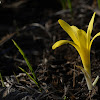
<point>63,4</point>
<point>28,64</point>
<point>2,82</point>
<point>98,3</point>
<point>30,77</point>
<point>69,5</point>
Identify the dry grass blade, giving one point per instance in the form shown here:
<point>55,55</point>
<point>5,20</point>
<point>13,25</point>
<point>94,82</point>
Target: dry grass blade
<point>6,38</point>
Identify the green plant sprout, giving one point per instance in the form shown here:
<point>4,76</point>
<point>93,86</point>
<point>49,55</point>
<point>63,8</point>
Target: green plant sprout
<point>29,66</point>
<point>64,4</point>
<point>65,98</point>
<point>82,42</point>
<point>2,82</point>
<point>69,5</point>
<point>98,3</point>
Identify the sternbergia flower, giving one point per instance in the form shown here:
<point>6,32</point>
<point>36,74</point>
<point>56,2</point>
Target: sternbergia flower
<point>82,42</point>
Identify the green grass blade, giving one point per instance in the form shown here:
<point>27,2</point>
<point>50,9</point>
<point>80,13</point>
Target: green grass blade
<point>69,5</point>
<point>16,77</point>
<point>98,4</point>
<point>63,4</point>
<point>27,62</point>
<point>2,82</point>
<point>29,76</point>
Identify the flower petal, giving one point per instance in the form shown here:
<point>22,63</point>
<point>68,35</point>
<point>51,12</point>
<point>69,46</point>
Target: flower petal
<point>69,30</point>
<point>98,34</point>
<point>90,27</point>
<point>82,38</point>
<point>61,42</point>
<point>85,57</point>
<point>75,29</point>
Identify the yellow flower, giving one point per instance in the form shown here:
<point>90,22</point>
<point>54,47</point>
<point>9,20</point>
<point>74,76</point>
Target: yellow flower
<point>82,42</point>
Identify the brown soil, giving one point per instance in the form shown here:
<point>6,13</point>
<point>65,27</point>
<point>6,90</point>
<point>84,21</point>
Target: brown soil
<point>34,26</point>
